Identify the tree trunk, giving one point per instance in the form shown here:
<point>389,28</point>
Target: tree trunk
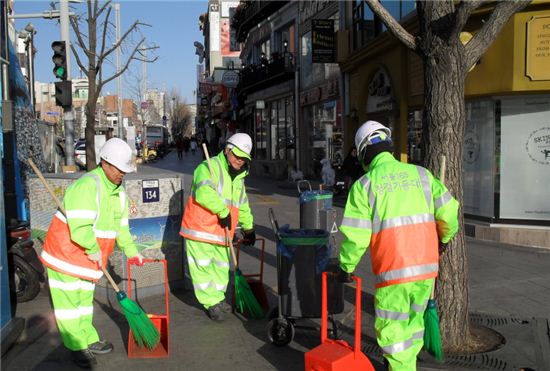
<point>443,130</point>
<point>91,162</point>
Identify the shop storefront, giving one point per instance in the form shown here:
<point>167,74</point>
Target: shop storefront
<point>321,106</point>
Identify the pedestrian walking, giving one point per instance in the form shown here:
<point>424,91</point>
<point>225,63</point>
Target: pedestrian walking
<point>193,144</point>
<point>403,213</point>
<point>217,202</point>
<point>179,147</point>
<point>79,243</point>
<point>352,167</point>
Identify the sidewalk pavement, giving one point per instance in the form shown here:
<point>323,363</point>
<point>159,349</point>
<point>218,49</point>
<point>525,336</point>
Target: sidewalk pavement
<point>509,292</point>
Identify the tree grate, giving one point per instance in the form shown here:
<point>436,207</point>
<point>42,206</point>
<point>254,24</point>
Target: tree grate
<point>479,361</point>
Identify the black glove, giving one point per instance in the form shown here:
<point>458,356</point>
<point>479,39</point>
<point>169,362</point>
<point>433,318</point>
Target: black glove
<point>249,237</point>
<point>225,222</point>
<point>442,247</point>
<point>344,276</point>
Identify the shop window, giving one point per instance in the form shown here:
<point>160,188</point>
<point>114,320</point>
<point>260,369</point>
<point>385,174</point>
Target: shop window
<point>414,140</point>
<point>283,141</point>
<point>367,26</point>
<point>260,134</point>
<point>325,135</point>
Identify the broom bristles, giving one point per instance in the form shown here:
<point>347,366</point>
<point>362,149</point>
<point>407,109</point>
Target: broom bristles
<point>245,300</point>
<point>432,334</point>
<point>144,331</point>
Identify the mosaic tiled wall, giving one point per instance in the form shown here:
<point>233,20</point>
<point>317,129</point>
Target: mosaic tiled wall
<point>154,225</point>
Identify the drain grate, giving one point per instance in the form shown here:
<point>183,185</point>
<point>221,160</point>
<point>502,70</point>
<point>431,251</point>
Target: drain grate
<point>489,320</point>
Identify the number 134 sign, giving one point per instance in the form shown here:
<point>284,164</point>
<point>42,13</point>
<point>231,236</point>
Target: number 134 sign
<point>150,191</point>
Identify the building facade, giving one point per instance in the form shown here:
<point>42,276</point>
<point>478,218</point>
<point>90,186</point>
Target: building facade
<point>507,95</point>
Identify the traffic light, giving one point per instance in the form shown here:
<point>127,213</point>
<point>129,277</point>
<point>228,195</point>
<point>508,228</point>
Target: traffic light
<point>59,59</point>
<point>64,94</point>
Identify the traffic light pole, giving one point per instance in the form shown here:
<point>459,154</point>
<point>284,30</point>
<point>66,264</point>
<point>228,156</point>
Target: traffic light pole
<point>68,118</point>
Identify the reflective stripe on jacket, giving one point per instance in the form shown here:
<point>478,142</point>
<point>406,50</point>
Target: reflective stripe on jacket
<point>215,197</point>
<point>401,211</point>
<point>97,215</point>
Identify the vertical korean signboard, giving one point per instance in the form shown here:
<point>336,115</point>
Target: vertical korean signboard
<point>322,41</point>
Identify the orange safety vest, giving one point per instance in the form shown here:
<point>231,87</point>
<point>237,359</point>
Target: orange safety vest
<point>201,224</point>
<point>63,255</point>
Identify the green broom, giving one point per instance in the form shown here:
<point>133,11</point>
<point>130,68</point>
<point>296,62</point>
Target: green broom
<point>144,331</point>
<point>245,300</point>
<point>432,333</point>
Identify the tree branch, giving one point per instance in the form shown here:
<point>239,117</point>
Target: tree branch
<point>104,35</point>
<point>123,69</point>
<point>393,26</point>
<point>117,44</point>
<point>463,11</point>
<point>78,61</point>
<point>481,41</point>
<point>98,12</point>
<point>81,44</point>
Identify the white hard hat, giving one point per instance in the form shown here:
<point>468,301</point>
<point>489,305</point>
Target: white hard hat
<point>240,144</point>
<point>371,132</point>
<point>119,154</point>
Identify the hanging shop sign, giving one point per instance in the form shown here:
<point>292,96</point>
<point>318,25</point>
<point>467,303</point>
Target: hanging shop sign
<point>380,93</point>
<point>322,41</point>
<point>230,79</point>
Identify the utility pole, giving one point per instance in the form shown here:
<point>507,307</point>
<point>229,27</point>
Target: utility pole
<point>119,78</point>
<point>68,117</point>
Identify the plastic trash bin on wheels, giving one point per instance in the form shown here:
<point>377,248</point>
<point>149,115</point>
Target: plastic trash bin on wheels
<point>302,256</point>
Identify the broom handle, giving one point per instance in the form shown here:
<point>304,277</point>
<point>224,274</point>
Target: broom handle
<point>442,168</point>
<point>62,209</point>
<point>227,239</point>
<point>45,183</point>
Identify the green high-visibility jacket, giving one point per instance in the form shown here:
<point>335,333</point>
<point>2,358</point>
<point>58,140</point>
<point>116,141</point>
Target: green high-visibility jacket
<point>96,216</point>
<point>214,196</point>
<point>402,211</point>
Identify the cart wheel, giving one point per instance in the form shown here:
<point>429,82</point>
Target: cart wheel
<point>280,332</point>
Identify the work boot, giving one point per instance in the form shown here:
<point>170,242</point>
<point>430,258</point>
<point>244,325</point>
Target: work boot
<point>84,358</point>
<point>101,347</point>
<point>215,312</point>
<point>225,306</point>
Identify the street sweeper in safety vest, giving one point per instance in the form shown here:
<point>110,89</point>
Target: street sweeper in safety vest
<point>78,243</point>
<point>404,214</point>
<point>217,202</point>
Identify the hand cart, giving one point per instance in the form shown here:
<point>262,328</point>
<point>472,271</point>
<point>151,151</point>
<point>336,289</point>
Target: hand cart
<point>299,281</point>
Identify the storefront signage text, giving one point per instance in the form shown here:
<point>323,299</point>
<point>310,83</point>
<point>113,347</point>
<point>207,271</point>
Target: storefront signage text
<point>322,41</point>
<point>380,93</point>
<point>538,48</point>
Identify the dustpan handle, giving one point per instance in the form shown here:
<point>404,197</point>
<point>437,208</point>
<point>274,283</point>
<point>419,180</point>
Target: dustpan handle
<point>165,273</point>
<point>324,312</point>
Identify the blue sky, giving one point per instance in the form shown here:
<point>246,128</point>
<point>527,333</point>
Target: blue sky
<point>174,29</point>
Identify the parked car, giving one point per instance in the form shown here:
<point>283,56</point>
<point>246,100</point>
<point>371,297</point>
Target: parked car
<point>80,155</point>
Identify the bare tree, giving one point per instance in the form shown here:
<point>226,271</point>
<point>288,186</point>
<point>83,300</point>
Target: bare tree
<point>181,116</point>
<point>97,58</point>
<point>446,63</point>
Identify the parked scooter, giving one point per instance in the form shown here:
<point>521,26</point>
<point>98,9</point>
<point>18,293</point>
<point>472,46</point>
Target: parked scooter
<point>26,270</point>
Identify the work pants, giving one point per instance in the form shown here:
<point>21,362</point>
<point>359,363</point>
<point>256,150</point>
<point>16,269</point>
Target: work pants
<point>72,300</point>
<point>399,321</point>
<point>209,269</point>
